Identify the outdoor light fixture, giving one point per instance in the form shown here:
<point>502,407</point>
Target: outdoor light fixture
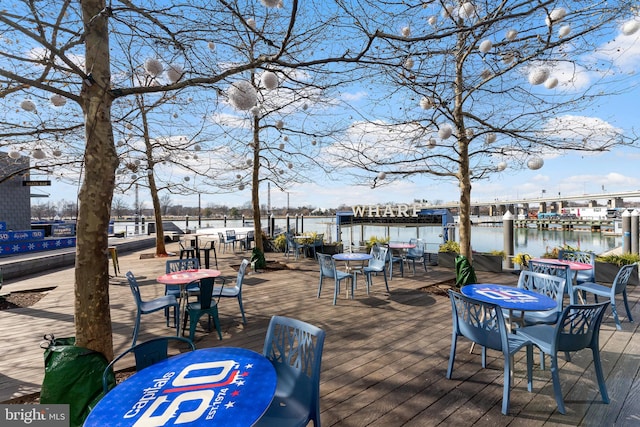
<point>408,64</point>
<point>56,153</point>
<point>212,46</point>
<point>58,100</point>
<point>406,31</point>
<point>511,35</point>
<point>555,16</point>
<point>432,20</point>
<point>174,73</point>
<point>535,163</point>
<point>501,166</point>
<point>279,124</point>
<point>251,23</point>
<point>14,154</point>
<point>242,95</point>
<point>270,3</point>
<point>431,143</point>
<point>564,31</point>
<point>485,46</point>
<point>538,75</point>
<point>28,105</point>
<point>269,80</point>
<point>153,67</point>
<point>467,10</point>
<point>490,138</point>
<point>38,154</point>
<point>630,27</point>
<point>445,131</point>
<point>551,82</point>
<point>426,103</point>
<point>382,175</point>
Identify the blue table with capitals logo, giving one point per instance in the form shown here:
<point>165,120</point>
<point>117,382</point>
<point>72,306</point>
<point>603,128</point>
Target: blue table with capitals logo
<point>220,386</point>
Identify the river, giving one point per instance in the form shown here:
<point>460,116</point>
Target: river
<point>483,238</point>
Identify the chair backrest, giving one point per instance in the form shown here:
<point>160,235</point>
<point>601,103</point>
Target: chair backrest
<point>231,235</point>
<point>327,265</point>
<point>146,354</point>
<point>241,272</point>
<point>181,264</point>
<point>479,321</point>
<point>546,284</point>
<point>251,235</point>
<point>622,278</point>
<point>558,270</point>
<point>221,237</point>
<point>135,288</point>
<point>418,251</point>
<point>579,327</point>
<point>379,254</point>
<point>581,256</point>
<point>295,349</point>
<point>206,292</point>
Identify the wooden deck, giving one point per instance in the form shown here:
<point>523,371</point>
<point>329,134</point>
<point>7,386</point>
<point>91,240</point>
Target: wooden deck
<point>385,355</point>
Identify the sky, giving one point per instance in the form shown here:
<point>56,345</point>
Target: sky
<point>567,174</point>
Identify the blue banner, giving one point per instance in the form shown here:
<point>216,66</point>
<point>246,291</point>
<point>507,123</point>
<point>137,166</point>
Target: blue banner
<point>40,245</point>
<point>21,236</point>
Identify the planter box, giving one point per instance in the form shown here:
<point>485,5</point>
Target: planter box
<point>486,262</point>
<point>447,259</point>
<point>606,272</point>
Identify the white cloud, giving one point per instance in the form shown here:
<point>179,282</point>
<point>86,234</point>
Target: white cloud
<point>356,96</point>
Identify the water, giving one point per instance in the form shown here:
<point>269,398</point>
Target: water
<point>483,239</point>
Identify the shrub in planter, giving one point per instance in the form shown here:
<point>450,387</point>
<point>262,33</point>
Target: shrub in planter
<point>608,266</point>
<point>488,261</point>
<point>447,254</point>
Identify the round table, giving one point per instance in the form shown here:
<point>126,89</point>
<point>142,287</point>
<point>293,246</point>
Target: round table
<point>347,257</point>
<point>212,386</point>
<point>183,278</point>
<point>573,265</point>
<point>401,245</point>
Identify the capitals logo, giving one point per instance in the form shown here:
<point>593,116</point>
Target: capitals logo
<point>199,391</point>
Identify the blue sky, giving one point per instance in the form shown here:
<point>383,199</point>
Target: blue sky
<point>568,174</point>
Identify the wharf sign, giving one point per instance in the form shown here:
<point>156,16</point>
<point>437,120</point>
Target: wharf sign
<point>387,211</point>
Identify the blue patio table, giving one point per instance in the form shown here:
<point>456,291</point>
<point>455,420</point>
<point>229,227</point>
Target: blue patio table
<point>509,297</point>
<point>222,386</point>
<point>347,257</point>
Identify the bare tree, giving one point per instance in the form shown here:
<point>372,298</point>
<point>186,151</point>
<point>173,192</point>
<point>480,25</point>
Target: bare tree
<point>59,53</point>
<point>119,207</point>
<point>469,89</point>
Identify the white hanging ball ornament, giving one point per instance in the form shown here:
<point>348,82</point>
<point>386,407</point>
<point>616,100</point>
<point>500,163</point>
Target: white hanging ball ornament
<point>255,111</point>
<point>551,82</point>
<point>238,176</point>
<point>197,147</point>
<point>469,133</point>
<point>406,31</point>
<point>485,46</point>
<point>212,46</point>
<point>28,105</point>
<point>241,187</point>
<point>445,131</point>
<point>426,103</point>
<point>511,35</point>
<point>174,73</point>
<point>508,57</point>
<point>535,163</point>
<point>270,3</point>
<point>285,138</point>
<point>187,179</point>
<point>281,146</point>
<point>58,100</point>
<point>630,27</point>
<point>195,157</point>
<point>501,166</point>
<point>281,172</point>
<point>120,143</point>
<point>279,124</point>
<point>490,138</point>
<point>134,177</point>
<point>382,175</point>
<point>149,172</point>
<point>137,162</point>
<point>251,23</point>
<point>242,95</point>
<point>486,74</point>
<point>556,15</point>
<point>38,154</point>
<point>249,162</point>
<point>538,75</point>
<point>467,10</point>
<point>408,64</point>
<point>314,142</point>
<point>564,31</point>
<point>290,165</point>
<point>447,11</point>
<point>153,67</point>
<point>432,20</point>
<point>431,143</point>
<point>56,153</point>
<point>14,154</point>
<point>269,80</point>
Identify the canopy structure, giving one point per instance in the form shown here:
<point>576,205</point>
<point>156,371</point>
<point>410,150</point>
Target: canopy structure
<point>396,217</point>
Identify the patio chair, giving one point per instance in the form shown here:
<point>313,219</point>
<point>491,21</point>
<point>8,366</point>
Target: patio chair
<point>246,242</point>
<point>581,256</point>
<point>147,307</point>
<point>618,287</point>
<point>416,254</point>
<point>484,324</point>
<point>328,269</point>
<point>295,350</point>
<point>204,305</point>
<point>224,242</point>
<point>293,246</point>
<point>391,259</point>
<point>234,291</point>
<point>180,265</point>
<point>206,249</point>
<point>577,328</point>
<point>187,250</point>
<point>377,264</point>
<point>146,353</point>
<point>558,270</point>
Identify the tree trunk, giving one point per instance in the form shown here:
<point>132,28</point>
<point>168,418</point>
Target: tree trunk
<point>255,186</point>
<point>92,311</point>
